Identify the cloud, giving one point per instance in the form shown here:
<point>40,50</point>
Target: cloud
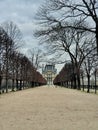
<point>26,28</point>
<point>15,9</point>
<point>22,13</point>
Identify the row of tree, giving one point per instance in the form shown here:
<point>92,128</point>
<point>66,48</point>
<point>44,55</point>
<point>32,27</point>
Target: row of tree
<point>15,66</point>
<point>70,29</point>
<point>67,77</point>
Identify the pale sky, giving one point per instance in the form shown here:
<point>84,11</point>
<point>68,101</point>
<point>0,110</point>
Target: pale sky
<point>22,13</point>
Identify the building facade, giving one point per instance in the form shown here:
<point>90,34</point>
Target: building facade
<point>49,72</point>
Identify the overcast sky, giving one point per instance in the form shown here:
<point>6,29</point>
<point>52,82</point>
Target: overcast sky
<point>22,13</point>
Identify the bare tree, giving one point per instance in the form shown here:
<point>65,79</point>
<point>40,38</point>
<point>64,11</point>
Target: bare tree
<point>96,75</point>
<point>37,57</point>
<point>1,55</point>
<point>8,49</point>
<point>12,64</point>
<point>90,64</point>
<point>74,43</point>
<point>62,13</point>
<point>88,68</point>
<point>14,33</point>
<point>12,41</point>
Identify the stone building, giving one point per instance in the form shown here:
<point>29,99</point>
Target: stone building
<point>49,72</point>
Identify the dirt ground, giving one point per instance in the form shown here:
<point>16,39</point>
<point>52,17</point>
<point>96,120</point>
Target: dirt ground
<point>48,108</point>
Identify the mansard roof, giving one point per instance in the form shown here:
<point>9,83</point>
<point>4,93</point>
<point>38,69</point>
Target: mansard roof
<point>50,67</point>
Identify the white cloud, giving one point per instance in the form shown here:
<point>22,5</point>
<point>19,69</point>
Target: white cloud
<point>13,9</point>
<point>22,13</point>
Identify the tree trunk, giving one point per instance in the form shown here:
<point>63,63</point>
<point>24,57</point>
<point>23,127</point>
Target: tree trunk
<point>0,83</point>
<point>17,84</point>
<point>78,77</point>
<point>6,85</point>
<point>71,84</point>
<point>95,82</point>
<point>23,84</point>
<point>12,84</point>
<point>20,85</point>
<point>6,75</point>
<point>78,80</point>
<point>75,85</point>
<point>83,82</point>
<point>88,86</point>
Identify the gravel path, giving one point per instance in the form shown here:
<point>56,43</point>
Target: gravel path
<point>48,108</point>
